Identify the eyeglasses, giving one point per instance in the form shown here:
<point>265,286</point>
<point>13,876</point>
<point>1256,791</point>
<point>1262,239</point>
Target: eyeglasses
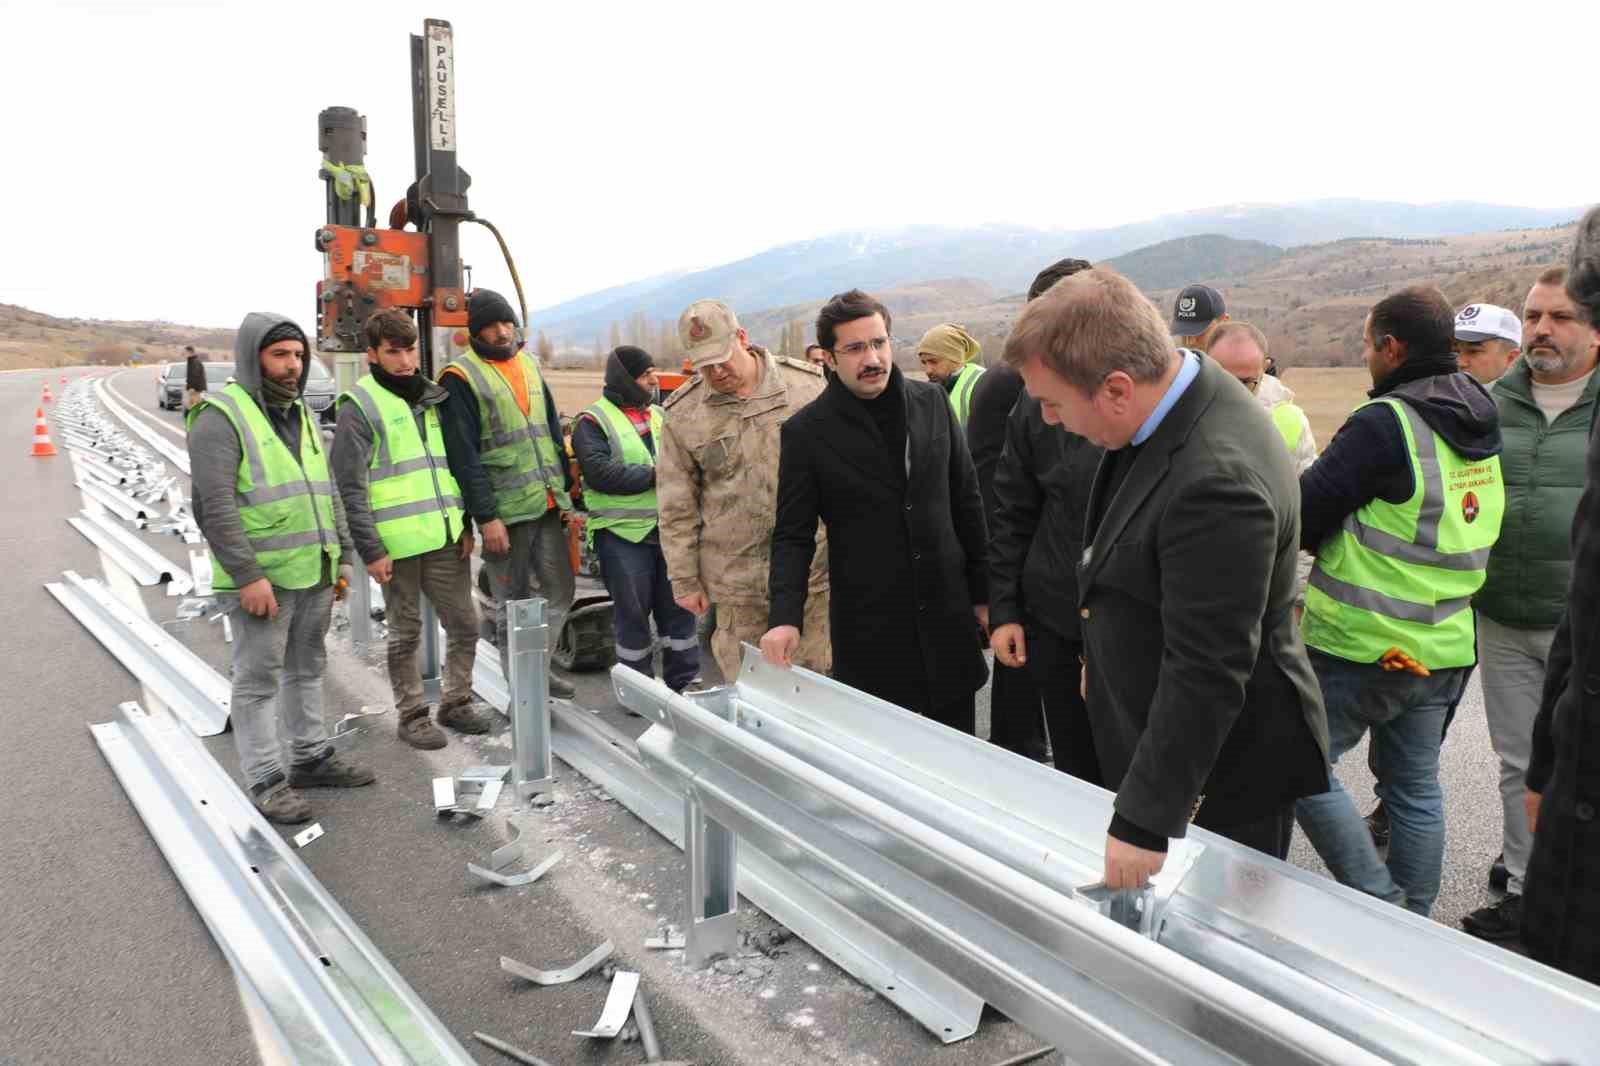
<point>877,344</point>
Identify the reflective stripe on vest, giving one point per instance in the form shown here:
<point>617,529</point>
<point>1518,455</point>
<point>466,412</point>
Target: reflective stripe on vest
<point>1287,417</point>
<point>285,502</point>
<point>961,395</point>
<point>515,449</point>
<point>1403,575</point>
<point>415,503</point>
<point>629,517</point>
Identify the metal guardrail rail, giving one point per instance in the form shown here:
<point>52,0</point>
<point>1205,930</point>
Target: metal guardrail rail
<point>179,678</point>
<point>141,562</point>
<point>177,456</point>
<point>331,996</point>
<point>1399,986</point>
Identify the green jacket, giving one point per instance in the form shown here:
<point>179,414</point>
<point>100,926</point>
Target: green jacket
<point>1543,466</point>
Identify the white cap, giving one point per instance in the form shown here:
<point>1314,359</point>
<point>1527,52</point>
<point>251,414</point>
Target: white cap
<point>1486,322</point>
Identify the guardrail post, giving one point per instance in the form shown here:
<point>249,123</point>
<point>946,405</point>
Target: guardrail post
<point>528,635</point>
<point>712,853</point>
<point>359,606</point>
<point>432,683</point>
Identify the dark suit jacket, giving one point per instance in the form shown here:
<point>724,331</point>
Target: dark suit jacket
<point>905,553</point>
<point>1200,692</point>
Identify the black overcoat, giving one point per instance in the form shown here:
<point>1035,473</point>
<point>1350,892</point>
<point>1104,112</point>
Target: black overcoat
<point>1561,892</point>
<point>906,550</point>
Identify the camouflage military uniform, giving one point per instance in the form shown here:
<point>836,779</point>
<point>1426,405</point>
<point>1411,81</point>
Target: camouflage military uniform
<point>717,494</point>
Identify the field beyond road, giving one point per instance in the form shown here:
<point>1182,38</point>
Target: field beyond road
<point>1327,393</point>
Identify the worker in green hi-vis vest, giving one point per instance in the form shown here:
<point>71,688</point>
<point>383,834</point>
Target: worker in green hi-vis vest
<point>1401,509</point>
<point>265,502</point>
<point>504,435</point>
<point>614,440</point>
<point>948,355</point>
<point>406,519</point>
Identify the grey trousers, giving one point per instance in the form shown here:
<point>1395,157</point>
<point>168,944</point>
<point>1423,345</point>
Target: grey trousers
<point>537,547</point>
<point>445,578</point>
<point>277,681</point>
<point>1512,662</point>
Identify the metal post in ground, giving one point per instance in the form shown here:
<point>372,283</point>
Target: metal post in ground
<point>528,636</point>
<point>712,853</point>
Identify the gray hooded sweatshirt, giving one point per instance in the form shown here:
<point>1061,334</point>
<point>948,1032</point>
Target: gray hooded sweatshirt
<point>215,453</point>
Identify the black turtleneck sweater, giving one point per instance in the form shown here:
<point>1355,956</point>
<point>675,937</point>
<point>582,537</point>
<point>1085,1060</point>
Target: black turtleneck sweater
<point>888,412</point>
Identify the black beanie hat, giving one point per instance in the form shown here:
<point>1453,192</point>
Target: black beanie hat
<point>485,307</point>
<point>283,331</point>
<point>634,360</point>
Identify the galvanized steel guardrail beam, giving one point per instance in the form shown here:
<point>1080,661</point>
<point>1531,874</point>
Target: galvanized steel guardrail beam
<point>1398,985</point>
<point>178,677</point>
<point>141,562</point>
<point>329,993</point>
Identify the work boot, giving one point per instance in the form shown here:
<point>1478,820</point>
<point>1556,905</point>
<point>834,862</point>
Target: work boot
<point>561,688</point>
<point>1499,876</point>
<point>419,732</point>
<point>279,803</point>
<point>463,718</point>
<point>330,771</point>
<point>1498,921</point>
<point>1378,825</point>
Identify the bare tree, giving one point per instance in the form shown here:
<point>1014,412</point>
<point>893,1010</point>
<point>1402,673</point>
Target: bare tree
<point>545,349</point>
<point>616,335</point>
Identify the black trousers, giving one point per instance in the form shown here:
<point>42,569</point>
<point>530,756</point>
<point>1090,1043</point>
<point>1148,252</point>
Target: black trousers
<point>1016,715</point>
<point>959,714</point>
<point>1053,663</point>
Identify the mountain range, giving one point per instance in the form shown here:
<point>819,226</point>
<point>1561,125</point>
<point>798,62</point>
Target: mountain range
<point>1007,256</point>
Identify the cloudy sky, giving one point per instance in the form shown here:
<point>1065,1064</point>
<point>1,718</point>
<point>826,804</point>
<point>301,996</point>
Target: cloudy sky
<point>161,158</point>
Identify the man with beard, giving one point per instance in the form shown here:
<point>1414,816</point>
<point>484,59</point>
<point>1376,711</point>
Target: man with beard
<point>391,464</point>
<point>503,433</point>
<point>1401,511</point>
<point>1546,403</point>
<point>946,353</point>
<point>1487,341</point>
<point>882,462</point>
<point>614,440</point>
<point>266,505</point>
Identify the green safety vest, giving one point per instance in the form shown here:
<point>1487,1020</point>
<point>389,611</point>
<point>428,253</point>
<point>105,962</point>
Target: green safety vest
<point>1403,575</point>
<point>629,517</point>
<point>515,448</point>
<point>415,502</point>
<point>1290,423</point>
<point>961,394</point>
<point>285,501</point>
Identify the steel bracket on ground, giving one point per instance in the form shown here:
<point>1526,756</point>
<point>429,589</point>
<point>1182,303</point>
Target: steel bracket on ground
<point>563,975</point>
<point>331,996</point>
<point>513,880</point>
<point>178,677</point>
<point>619,1003</point>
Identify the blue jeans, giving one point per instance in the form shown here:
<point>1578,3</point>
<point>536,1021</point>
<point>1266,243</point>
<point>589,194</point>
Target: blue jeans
<point>636,577</point>
<point>1406,715</point>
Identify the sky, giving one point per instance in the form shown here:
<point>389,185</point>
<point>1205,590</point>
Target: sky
<point>160,159</point>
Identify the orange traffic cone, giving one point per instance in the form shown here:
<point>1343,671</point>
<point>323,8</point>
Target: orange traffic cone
<point>46,393</point>
<point>41,436</point>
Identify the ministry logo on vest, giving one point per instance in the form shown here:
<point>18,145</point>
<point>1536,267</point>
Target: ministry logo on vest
<point>1469,507</point>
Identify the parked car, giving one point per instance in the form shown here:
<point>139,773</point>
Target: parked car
<point>169,386</point>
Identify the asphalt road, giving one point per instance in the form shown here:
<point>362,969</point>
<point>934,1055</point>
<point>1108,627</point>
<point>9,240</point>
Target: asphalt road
<point>104,959</point>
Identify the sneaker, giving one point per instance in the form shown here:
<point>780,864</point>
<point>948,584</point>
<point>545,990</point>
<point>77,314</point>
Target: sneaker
<point>1498,921</point>
<point>1499,876</point>
<point>1378,825</point>
<point>419,732</point>
<point>561,688</point>
<point>463,718</point>
<point>279,803</point>
<point>330,771</point>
